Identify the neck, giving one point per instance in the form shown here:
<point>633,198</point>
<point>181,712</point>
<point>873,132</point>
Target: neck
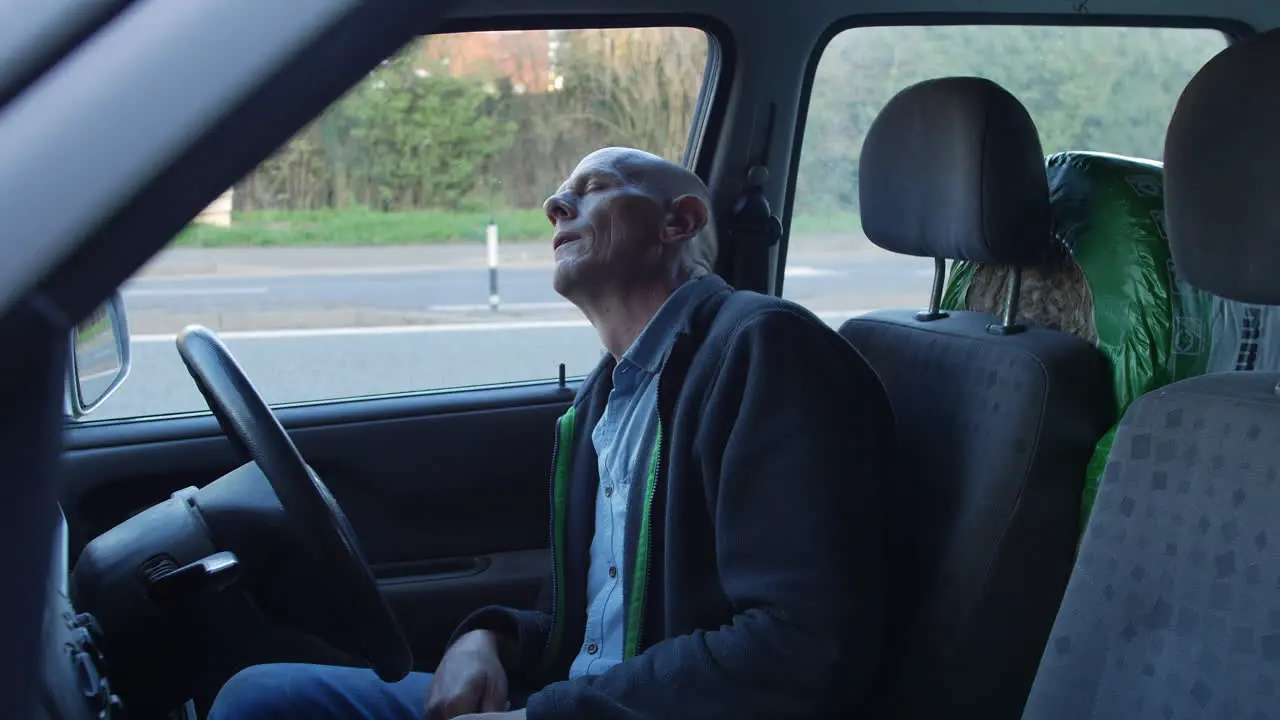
<point>620,315</point>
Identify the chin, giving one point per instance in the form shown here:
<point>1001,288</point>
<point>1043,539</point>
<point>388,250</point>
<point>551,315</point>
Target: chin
<point>573,280</point>
<point>563,281</point>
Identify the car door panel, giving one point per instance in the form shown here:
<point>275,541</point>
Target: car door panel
<point>446,491</point>
<point>431,605</point>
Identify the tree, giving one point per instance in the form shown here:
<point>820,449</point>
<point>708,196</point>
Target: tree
<point>1095,88</point>
<point>420,137</point>
<point>635,87</point>
<point>405,137</point>
<point>413,135</point>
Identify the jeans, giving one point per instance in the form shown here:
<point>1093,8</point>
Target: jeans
<point>319,692</point>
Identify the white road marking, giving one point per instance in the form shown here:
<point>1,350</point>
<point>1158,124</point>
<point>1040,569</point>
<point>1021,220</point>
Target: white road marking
<point>799,271</point>
<point>132,291</point>
<point>100,374</point>
<point>513,326</point>
<point>378,330</point>
<point>177,275</point>
<point>561,305</point>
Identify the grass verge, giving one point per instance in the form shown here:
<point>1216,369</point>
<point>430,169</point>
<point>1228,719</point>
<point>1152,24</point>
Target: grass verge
<point>361,227</point>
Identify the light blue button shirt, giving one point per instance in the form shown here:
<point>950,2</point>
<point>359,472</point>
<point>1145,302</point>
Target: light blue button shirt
<point>623,440</point>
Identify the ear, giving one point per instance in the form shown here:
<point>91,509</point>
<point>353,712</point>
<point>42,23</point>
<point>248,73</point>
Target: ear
<point>685,218</point>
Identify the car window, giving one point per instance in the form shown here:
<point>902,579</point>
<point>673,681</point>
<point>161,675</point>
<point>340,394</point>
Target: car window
<point>357,260</point>
<point>1087,88</point>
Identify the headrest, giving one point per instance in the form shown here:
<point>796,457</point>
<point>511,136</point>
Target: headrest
<point>1222,174</point>
<point>952,168</point>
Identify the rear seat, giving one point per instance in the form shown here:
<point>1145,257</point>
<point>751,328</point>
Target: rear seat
<point>1114,285</point>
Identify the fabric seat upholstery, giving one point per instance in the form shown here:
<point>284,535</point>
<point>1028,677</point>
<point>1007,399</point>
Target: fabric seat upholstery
<point>995,429</point>
<point>1173,608</point>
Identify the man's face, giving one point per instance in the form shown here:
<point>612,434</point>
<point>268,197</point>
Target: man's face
<point>608,225</point>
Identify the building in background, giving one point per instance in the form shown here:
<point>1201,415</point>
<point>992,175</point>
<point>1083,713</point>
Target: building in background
<point>525,58</point>
<point>219,211</point>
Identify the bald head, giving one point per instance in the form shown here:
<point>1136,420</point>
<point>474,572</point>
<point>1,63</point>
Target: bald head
<point>674,189</point>
<point>643,168</point>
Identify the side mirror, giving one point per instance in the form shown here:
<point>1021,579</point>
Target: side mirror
<point>99,359</point>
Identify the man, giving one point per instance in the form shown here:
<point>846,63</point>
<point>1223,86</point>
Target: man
<point>714,500</point>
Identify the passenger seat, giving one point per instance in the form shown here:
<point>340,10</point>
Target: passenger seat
<point>1173,609</point>
<point>996,421</point>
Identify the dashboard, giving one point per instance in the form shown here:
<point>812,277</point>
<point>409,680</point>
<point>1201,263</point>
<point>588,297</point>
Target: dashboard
<point>155,612</point>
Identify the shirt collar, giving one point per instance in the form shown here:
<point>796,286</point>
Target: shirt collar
<point>650,350</point>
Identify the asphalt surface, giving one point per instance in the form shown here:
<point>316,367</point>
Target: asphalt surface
<point>313,326</point>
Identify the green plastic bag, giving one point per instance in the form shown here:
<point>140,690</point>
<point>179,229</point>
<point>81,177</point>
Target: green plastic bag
<point>1108,215</point>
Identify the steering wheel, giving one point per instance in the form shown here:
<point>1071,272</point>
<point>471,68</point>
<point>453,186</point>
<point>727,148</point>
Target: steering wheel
<point>249,423</point>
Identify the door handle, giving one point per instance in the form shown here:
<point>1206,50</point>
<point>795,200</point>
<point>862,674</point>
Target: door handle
<point>431,570</point>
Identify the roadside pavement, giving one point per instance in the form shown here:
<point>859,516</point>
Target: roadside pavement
<point>225,262</point>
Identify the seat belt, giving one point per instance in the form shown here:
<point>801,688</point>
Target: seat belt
<point>751,224</point>
<point>754,230</point>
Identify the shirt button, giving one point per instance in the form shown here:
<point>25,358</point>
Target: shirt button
<point>608,491</point>
<point>592,649</point>
<point>613,571</point>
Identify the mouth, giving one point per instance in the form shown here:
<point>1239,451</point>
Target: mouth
<point>564,237</point>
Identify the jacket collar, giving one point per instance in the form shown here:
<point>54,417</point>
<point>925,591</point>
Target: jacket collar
<point>650,349</point>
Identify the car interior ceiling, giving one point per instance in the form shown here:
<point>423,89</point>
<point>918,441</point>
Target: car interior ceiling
<point>1005,572</point>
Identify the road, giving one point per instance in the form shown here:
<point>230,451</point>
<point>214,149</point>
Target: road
<point>313,331</point>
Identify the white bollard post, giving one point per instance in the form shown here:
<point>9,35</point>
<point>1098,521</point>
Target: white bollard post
<point>491,242</point>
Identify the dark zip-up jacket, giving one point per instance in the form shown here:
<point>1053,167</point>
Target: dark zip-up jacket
<point>753,548</point>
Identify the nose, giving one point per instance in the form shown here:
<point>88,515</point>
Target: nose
<point>559,209</point>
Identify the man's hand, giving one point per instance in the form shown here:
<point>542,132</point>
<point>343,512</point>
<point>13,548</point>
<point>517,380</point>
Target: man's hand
<point>513,715</point>
<point>469,679</point>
